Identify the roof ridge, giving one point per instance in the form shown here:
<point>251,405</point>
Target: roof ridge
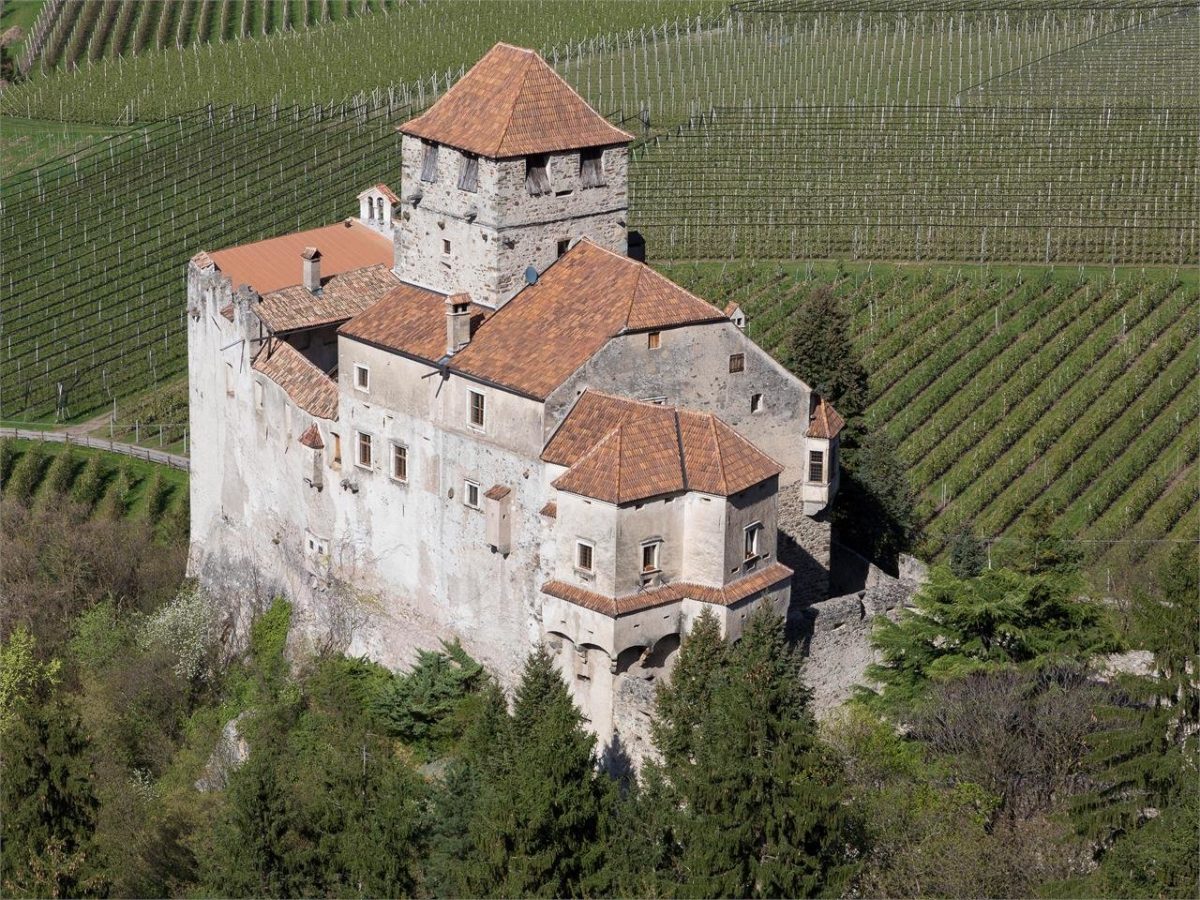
<point>516,94</point>
<point>712,427</point>
<point>745,440</point>
<point>679,444</point>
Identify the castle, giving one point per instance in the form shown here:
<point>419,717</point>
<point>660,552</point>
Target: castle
<point>468,412</point>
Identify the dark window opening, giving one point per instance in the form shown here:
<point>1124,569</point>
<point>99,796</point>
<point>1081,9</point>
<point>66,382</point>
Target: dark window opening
<point>737,362</point>
<point>563,246</point>
<point>591,167</point>
<point>429,163</point>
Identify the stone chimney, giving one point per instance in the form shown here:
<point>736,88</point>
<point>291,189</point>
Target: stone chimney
<point>458,322</point>
<point>312,269</point>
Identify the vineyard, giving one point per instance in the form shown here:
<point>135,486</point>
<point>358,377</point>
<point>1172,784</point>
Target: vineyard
<point>108,485</point>
<point>94,251</point>
<point>1006,387</point>
<point>258,52</point>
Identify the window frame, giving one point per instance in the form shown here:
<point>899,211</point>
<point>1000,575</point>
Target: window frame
<point>591,167</point>
<point>655,548</point>
<point>817,458</point>
<point>445,246</point>
<point>361,383</point>
<point>358,449</point>
<point>480,425</point>
<point>470,487</point>
<point>590,546</point>
<point>468,173</point>
<point>757,403</point>
<point>335,450</point>
<point>399,452</point>
<point>737,363</point>
<point>653,340</point>
<point>751,546</point>
<point>537,174</point>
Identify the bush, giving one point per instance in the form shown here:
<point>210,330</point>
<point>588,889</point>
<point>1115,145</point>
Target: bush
<point>187,628</point>
<point>8,458</point>
<point>115,503</point>
<point>417,706</point>
<point>89,486</point>
<point>60,475</point>
<point>158,492</point>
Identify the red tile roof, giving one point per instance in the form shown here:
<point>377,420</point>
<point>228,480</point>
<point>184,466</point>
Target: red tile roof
<point>342,297</point>
<point>511,103</point>
<point>621,450</point>
<point>308,387</point>
<point>409,320</point>
<point>497,492</point>
<point>825,422</point>
<point>734,592</point>
<point>551,328</point>
<point>270,265</point>
<point>312,437</point>
<point>387,192</point>
<point>550,510</point>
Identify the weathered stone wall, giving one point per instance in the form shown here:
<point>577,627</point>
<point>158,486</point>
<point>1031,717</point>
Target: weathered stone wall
<point>482,241</point>
<point>804,545</point>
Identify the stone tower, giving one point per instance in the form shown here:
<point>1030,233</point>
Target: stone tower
<point>501,175</point>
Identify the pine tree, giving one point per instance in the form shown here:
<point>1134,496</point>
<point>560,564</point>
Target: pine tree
<point>681,702</point>
<point>759,812</point>
<point>1041,546</point>
<point>967,556</point>
<point>876,509</point>
<point>534,830</point>
<point>821,353</point>
<point>47,847</point>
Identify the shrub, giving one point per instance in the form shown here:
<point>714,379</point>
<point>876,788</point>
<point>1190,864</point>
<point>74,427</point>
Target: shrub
<point>26,474</point>
<point>60,475</point>
<point>89,486</point>
<point>187,628</point>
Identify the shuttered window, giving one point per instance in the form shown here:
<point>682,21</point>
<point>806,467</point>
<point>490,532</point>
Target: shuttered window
<point>537,178</point>
<point>429,163</point>
<point>591,168</point>
<point>468,175</point>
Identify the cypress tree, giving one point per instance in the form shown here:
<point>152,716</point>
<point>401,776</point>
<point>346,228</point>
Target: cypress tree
<point>535,827</point>
<point>821,353</point>
<point>967,556</point>
<point>759,812</point>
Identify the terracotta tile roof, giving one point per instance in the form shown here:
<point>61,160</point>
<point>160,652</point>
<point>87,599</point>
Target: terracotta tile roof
<point>732,593</point>
<point>621,451</point>
<point>387,192</point>
<point>312,437</point>
<point>551,328</point>
<point>825,422</point>
<point>310,388</point>
<point>511,103</point>
<point>550,510</point>
<point>410,320</point>
<point>201,260</point>
<point>342,297</point>
<point>270,265</point>
<point>732,307</point>
<point>497,492</point>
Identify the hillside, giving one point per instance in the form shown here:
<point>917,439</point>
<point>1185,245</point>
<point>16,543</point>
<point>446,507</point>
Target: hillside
<point>1004,387</point>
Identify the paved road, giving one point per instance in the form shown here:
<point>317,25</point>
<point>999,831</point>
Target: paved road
<point>155,456</point>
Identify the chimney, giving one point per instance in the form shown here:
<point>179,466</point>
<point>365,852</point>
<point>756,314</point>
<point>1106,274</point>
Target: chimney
<point>458,322</point>
<point>312,269</point>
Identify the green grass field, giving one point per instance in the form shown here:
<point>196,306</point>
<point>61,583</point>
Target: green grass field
<point>1005,387</point>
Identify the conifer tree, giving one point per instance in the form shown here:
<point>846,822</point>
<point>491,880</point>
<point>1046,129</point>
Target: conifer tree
<point>876,508</point>
<point>534,830</point>
<point>1041,546</point>
<point>759,812</point>
<point>821,353</point>
<point>681,702</point>
<point>967,556</point>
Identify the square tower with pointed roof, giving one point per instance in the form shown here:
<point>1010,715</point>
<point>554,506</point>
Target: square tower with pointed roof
<point>501,176</point>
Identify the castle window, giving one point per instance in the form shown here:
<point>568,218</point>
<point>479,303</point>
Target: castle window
<point>816,465</point>
<point>591,167</point>
<point>537,176</point>
<point>365,455</point>
<point>362,377</point>
<point>564,246</point>
<point>468,175</point>
<point>654,340</point>
<point>737,362</point>
<point>752,541</point>
<point>756,403</point>
<point>337,449</point>
<point>471,494</point>
<point>584,553</point>
<point>477,409</point>
<point>399,462</point>
<point>429,163</point>
<point>445,246</point>
<point>371,208</point>
<point>650,556</point>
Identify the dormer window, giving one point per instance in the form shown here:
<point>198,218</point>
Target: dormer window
<point>429,163</point>
<point>468,175</point>
<point>816,465</point>
<point>537,175</point>
<point>591,167</point>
